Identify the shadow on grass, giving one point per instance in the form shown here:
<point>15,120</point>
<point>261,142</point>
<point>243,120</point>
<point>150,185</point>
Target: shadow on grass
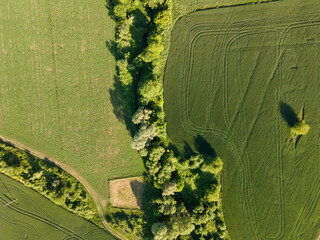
<point>137,189</point>
<point>288,114</point>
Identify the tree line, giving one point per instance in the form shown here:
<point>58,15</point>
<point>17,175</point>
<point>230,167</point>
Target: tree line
<point>182,199</point>
<point>49,180</point>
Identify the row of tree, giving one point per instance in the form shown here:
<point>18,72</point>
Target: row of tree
<point>182,200</point>
<point>49,180</point>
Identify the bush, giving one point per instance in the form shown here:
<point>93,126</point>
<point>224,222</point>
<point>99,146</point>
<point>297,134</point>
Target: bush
<point>300,128</point>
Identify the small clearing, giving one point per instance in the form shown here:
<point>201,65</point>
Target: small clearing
<point>126,192</point>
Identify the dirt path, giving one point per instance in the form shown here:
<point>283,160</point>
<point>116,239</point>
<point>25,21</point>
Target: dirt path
<point>96,196</point>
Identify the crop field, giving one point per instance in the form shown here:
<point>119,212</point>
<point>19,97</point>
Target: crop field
<point>238,77</point>
<point>55,80</point>
<point>31,216</point>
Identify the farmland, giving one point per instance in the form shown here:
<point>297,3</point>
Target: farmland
<point>31,216</point>
<point>56,83</point>
<point>237,77</point>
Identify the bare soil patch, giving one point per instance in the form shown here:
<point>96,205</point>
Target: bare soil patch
<point>126,192</point>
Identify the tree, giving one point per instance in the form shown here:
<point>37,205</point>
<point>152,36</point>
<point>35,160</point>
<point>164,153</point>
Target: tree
<point>169,188</point>
<point>149,91</point>
<point>300,128</point>
<point>143,136</point>
<point>159,230</point>
<point>124,38</point>
<point>214,167</point>
<point>153,3</point>
<point>142,115</point>
<point>166,205</point>
<point>124,75</point>
<point>213,193</point>
<point>183,224</point>
<point>161,19</point>
<point>195,161</point>
<point>154,157</point>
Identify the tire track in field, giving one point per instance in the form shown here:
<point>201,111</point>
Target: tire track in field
<point>194,129</point>
<point>281,46</point>
<point>97,198</point>
<point>38,217</point>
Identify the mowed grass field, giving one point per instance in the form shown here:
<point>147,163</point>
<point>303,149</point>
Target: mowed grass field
<point>237,76</point>
<point>55,77</point>
<point>31,216</point>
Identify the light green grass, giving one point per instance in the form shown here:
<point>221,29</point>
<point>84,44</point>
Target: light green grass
<point>229,72</point>
<point>31,216</point>
<point>55,77</point>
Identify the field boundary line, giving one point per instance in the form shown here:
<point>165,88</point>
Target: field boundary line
<point>95,196</point>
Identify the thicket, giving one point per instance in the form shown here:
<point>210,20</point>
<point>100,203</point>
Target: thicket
<point>49,180</point>
<point>182,193</point>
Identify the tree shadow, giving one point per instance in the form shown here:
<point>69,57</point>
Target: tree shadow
<point>121,108</point>
<point>288,114</point>
<point>124,97</point>
<point>137,189</point>
<point>203,147</point>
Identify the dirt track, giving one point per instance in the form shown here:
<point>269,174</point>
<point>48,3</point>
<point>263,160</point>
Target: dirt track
<point>96,196</point>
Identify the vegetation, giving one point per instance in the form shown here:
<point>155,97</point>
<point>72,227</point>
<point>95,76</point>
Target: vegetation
<point>49,180</point>
<point>300,128</point>
<point>177,204</point>
<point>226,74</point>
<point>129,222</point>
<point>57,96</point>
<point>28,215</point>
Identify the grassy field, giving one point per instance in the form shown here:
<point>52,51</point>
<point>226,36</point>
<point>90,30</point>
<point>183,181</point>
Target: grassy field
<point>55,80</point>
<point>238,77</point>
<point>31,216</point>
<point>183,7</point>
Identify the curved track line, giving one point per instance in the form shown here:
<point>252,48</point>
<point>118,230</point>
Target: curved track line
<point>223,136</point>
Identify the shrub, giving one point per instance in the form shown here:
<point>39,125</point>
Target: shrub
<point>300,128</point>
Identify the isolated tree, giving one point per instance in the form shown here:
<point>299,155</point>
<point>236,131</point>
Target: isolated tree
<point>300,128</point>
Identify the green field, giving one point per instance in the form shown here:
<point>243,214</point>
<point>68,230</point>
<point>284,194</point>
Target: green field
<point>55,80</point>
<point>32,216</point>
<point>238,76</point>
<point>183,7</point>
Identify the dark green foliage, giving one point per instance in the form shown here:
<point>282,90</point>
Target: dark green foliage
<point>130,222</point>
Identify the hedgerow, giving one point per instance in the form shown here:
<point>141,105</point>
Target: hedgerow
<point>182,196</point>
<point>49,180</point>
